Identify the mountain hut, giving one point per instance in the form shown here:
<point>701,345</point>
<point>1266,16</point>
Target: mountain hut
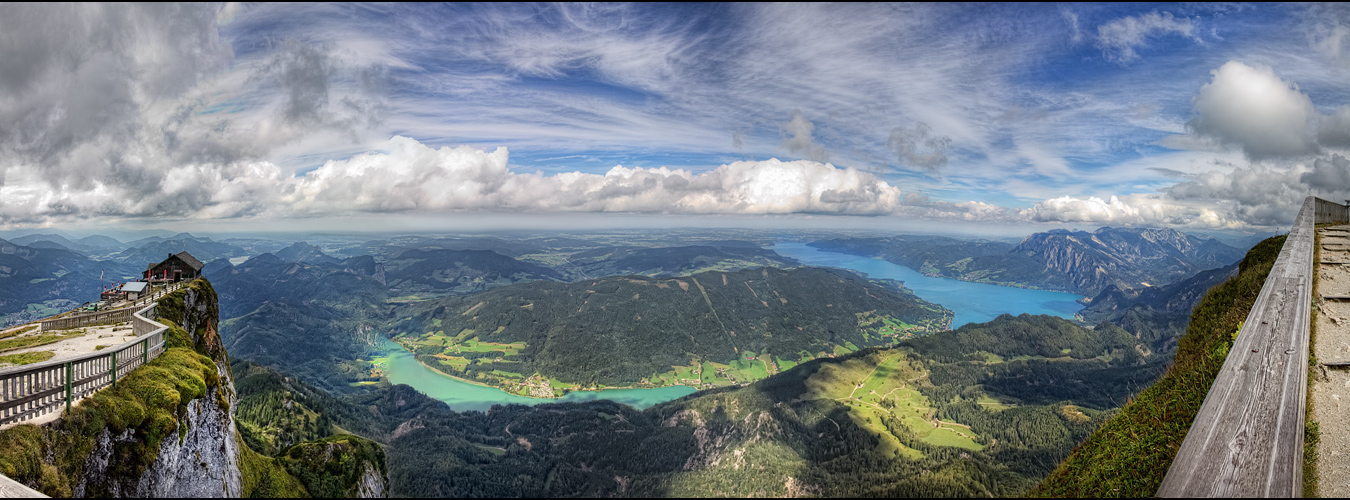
<point>178,267</point>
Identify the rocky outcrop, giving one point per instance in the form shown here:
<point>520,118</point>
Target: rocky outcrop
<point>372,484</point>
<point>202,457</point>
<point>203,462</point>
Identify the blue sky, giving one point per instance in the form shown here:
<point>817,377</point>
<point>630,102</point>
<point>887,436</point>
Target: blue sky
<point>1217,117</point>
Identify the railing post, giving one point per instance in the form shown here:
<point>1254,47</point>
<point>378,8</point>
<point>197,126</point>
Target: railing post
<point>145,351</point>
<point>70,378</point>
<point>114,369</point>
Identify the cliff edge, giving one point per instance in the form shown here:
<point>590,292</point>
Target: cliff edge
<point>168,429</point>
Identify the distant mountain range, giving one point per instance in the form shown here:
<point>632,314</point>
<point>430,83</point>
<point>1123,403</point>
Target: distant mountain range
<point>151,250</point>
<point>1157,315</point>
<point>1075,261</point>
<point>672,261</point>
<point>87,245</point>
<point>460,271</point>
<point>305,252</point>
<point>36,282</point>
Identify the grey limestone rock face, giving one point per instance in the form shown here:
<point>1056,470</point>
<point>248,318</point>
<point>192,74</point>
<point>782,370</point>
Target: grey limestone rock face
<point>373,484</point>
<point>204,463</point>
<point>96,466</point>
<point>202,459</point>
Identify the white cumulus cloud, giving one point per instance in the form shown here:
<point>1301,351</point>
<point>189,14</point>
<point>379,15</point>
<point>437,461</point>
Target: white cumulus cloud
<point>1254,109</point>
<point>413,176</point>
<point>1134,210</point>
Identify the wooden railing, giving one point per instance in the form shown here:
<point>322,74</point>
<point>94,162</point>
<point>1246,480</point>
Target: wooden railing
<point>122,315</point>
<point>30,391</point>
<point>1328,211</point>
<point>87,319</point>
<point>1247,439</point>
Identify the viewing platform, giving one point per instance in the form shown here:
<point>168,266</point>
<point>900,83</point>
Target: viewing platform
<point>1248,438</point>
<point>52,364</point>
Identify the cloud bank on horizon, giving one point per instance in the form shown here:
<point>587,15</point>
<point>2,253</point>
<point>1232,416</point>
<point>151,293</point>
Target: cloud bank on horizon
<point>1207,116</point>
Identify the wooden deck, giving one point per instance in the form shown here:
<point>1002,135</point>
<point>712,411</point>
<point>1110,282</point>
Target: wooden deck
<point>1247,440</point>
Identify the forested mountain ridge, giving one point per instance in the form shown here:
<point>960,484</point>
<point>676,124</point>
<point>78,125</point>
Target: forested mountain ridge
<point>460,271</point>
<point>1156,315</point>
<point>672,261</point>
<point>315,319</point>
<point>1130,455</point>
<point>1075,261</point>
<point>636,330</point>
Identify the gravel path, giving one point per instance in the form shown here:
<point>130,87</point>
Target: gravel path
<point>1330,398</point>
<point>94,336</point>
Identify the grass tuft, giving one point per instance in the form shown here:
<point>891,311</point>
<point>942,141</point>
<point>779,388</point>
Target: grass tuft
<point>19,331</point>
<point>27,358</point>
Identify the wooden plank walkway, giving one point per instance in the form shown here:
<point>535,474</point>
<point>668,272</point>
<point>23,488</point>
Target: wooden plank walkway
<point>1247,439</point>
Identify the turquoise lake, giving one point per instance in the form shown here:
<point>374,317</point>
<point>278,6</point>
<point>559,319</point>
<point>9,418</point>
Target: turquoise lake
<point>972,302</point>
<point>402,368</point>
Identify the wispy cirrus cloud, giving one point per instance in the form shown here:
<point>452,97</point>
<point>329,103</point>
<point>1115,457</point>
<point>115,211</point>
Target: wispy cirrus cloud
<point>1119,38</point>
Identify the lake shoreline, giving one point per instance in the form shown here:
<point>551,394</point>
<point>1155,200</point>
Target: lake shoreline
<point>569,391</point>
<point>971,301</point>
<point>1009,284</point>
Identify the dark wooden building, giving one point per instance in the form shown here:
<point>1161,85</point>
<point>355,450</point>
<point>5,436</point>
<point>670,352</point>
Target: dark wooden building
<point>178,267</point>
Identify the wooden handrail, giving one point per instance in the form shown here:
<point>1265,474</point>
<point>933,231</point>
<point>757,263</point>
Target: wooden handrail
<point>1247,439</point>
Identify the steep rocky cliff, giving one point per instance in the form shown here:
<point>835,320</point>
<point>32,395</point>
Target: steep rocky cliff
<point>168,430</point>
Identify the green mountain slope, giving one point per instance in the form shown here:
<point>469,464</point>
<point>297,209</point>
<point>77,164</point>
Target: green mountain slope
<point>622,331</point>
<point>894,421</point>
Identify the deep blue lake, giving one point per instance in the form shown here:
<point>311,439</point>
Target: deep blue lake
<point>973,302</point>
